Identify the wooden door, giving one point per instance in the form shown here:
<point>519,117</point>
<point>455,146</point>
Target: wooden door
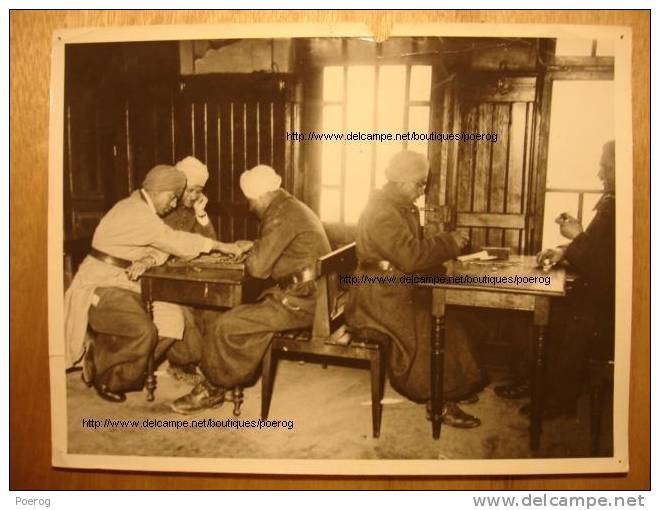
<point>489,196</point>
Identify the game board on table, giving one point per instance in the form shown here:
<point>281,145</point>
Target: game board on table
<point>211,261</point>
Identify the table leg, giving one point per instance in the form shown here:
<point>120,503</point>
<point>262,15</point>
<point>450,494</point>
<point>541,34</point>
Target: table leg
<point>437,360</point>
<point>237,398</point>
<point>541,319</point>
<point>150,381</point>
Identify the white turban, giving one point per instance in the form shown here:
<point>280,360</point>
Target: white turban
<point>259,180</point>
<point>195,171</point>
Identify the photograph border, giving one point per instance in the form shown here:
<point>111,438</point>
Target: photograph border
<point>624,235</point>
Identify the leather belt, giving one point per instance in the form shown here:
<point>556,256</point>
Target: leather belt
<point>109,259</point>
<point>304,275</point>
<point>376,265</point>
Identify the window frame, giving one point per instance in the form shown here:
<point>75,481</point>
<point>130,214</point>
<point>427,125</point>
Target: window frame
<point>561,68</point>
<point>407,105</point>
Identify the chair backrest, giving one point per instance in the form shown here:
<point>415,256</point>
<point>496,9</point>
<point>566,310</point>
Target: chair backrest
<point>331,297</point>
<point>340,234</point>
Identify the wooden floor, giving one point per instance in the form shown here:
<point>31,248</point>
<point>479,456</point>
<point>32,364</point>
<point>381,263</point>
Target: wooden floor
<point>331,414</point>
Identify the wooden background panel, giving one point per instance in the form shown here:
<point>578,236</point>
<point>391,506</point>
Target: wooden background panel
<point>491,175</point>
<point>128,109</point>
<point>30,36</point>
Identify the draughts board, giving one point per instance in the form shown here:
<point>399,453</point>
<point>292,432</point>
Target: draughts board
<point>212,261</point>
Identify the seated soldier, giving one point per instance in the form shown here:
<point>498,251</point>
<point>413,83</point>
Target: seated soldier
<point>291,239</point>
<point>389,241</point>
<point>104,294</point>
<point>190,216</point>
<point>582,325</point>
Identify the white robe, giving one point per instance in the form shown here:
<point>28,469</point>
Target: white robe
<point>131,230</point>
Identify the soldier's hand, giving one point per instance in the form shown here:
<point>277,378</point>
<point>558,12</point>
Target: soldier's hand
<point>227,248</point>
<point>570,228</point>
<point>200,205</point>
<point>461,238</point>
<point>245,245</point>
<point>550,256</point>
<point>137,268</point>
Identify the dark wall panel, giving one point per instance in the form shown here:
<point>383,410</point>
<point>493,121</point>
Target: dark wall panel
<point>117,133</point>
<point>491,197</point>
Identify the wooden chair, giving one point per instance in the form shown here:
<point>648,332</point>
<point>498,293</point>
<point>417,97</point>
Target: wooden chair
<point>328,338</point>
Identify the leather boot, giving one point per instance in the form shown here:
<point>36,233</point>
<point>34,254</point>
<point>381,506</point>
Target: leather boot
<point>203,396</point>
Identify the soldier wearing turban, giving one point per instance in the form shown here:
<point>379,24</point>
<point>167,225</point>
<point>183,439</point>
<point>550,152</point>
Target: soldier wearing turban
<point>190,213</point>
<point>290,241</point>
<point>389,241</point>
<point>105,295</point>
<point>190,216</point>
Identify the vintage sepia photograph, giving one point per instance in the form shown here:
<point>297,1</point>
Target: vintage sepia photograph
<point>299,249</point>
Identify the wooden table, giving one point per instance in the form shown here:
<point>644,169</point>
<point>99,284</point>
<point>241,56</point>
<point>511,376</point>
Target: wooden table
<point>531,297</point>
<point>222,285</point>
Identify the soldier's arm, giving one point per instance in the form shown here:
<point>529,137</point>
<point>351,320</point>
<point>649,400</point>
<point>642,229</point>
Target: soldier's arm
<point>275,236</point>
<point>391,234</point>
<point>174,242</point>
<point>586,249</point>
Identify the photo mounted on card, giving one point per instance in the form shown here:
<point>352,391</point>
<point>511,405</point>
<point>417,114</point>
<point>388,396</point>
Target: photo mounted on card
<point>297,249</point>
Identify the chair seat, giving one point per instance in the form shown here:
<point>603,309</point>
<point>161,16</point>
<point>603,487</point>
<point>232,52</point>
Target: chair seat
<point>341,338</point>
<point>370,336</point>
<point>301,335</point>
